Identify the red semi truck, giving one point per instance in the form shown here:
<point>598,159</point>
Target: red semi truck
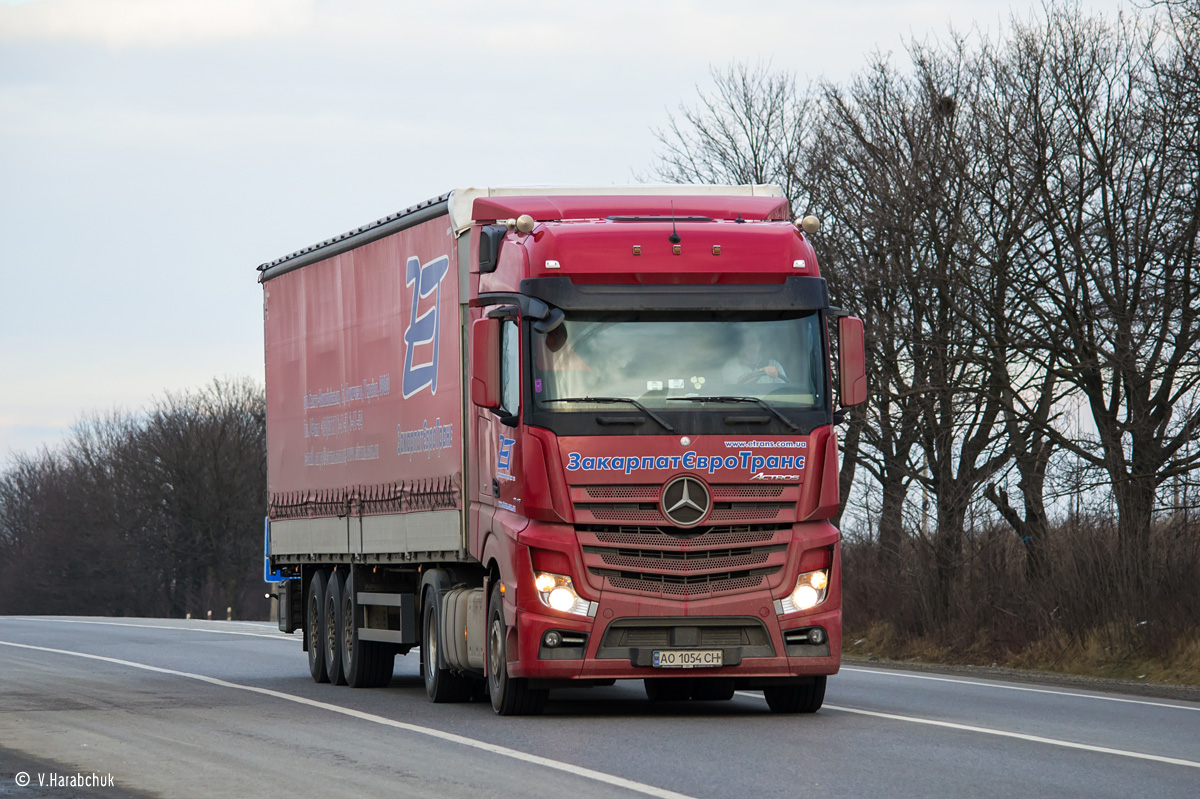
<point>560,438</point>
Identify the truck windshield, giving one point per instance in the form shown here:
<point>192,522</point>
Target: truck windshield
<point>654,360</point>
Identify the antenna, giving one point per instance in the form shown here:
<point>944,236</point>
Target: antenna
<point>674,239</point>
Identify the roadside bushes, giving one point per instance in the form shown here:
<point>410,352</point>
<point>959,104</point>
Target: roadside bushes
<point>156,513</point>
<point>1084,616</point>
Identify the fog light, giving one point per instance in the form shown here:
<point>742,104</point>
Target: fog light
<point>553,639</point>
<point>816,636</point>
<point>544,583</point>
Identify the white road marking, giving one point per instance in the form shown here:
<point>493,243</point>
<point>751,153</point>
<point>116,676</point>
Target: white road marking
<point>1175,761</point>
<point>276,636</point>
<point>503,751</point>
<point>985,684</point>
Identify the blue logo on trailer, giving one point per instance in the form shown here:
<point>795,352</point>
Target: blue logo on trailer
<point>425,279</point>
<point>268,575</point>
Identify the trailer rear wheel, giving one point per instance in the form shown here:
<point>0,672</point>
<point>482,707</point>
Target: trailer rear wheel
<point>797,698</point>
<point>366,664</point>
<point>333,627</point>
<point>441,685</point>
<point>511,696</point>
<point>315,612</point>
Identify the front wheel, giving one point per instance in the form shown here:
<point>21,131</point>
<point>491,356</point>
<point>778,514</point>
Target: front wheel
<point>511,696</point>
<point>805,697</point>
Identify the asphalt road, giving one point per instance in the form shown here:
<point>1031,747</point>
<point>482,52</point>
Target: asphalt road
<point>206,709</point>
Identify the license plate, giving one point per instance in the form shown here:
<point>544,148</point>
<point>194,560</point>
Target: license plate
<point>686,658</point>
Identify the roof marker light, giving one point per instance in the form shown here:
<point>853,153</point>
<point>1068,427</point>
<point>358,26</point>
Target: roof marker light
<point>553,264</point>
<point>716,249</point>
<point>809,224</point>
<point>637,249</point>
<point>677,249</point>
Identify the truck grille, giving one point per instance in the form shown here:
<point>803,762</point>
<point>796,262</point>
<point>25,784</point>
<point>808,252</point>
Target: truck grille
<point>638,504</point>
<point>624,636</point>
<point>668,561</point>
<point>671,538</point>
<point>652,491</point>
<point>672,585</point>
<point>684,562</point>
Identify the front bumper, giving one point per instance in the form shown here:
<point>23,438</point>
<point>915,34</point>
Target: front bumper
<point>765,654</point>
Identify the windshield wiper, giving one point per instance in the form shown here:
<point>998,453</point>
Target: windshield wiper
<point>756,400</point>
<point>611,400</point>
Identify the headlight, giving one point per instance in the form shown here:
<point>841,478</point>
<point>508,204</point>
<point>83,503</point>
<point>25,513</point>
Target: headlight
<point>558,592</point>
<point>810,591</point>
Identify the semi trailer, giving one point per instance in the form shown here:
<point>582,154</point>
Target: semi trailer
<point>561,437</point>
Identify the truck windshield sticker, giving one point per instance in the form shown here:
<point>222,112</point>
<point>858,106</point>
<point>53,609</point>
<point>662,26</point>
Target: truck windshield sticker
<point>423,328</point>
<point>689,460</point>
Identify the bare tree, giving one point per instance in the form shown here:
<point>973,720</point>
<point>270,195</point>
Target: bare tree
<point>895,171</point>
<point>749,129</point>
<point>141,514</point>
<point>1115,308</point>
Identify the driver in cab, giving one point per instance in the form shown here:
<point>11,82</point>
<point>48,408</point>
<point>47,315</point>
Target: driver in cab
<point>751,365</point>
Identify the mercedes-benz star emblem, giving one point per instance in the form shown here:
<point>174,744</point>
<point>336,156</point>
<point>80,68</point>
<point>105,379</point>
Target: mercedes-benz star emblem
<point>685,501</point>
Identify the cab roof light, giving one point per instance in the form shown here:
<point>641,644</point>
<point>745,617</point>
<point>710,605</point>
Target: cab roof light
<point>809,224</point>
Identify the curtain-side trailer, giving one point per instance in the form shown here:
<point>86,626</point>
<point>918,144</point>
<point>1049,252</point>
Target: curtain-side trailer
<point>562,437</point>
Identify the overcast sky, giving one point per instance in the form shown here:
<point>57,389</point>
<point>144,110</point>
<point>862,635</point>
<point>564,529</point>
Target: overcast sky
<point>153,152</point>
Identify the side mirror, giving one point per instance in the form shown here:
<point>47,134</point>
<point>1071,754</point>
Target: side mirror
<point>852,361</point>
<point>485,363</point>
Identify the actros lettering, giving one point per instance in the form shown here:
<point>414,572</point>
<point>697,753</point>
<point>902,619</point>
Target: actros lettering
<point>423,328</point>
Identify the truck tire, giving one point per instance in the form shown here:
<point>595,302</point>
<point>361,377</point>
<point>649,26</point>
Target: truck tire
<point>713,689</point>
<point>441,685</point>
<point>668,689</point>
<point>365,664</point>
<point>314,613</point>
<point>333,627</point>
<point>511,696</point>
<point>797,698</point>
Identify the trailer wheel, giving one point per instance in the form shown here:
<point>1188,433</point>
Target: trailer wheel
<point>441,685</point>
<point>511,696</point>
<point>668,689</point>
<point>366,664</point>
<point>713,689</point>
<point>333,627</point>
<point>315,612</point>
<point>798,698</point>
